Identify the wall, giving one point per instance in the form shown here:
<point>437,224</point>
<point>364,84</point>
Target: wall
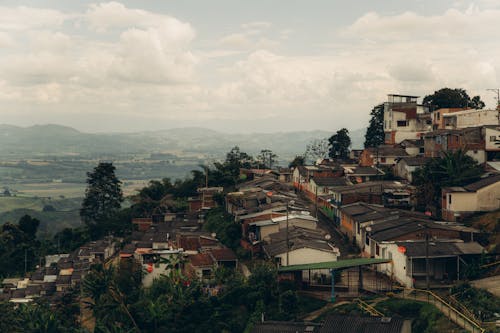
<point>307,256</point>
<point>488,198</point>
<point>491,135</point>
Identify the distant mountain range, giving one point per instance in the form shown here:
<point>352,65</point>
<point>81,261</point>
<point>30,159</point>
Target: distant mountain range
<point>61,140</point>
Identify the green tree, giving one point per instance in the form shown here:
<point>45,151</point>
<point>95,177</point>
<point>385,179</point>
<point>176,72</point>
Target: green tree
<point>103,198</point>
<point>452,98</point>
<point>454,168</point>
<point>375,132</point>
<point>29,226</point>
<point>339,144</point>
<point>297,161</point>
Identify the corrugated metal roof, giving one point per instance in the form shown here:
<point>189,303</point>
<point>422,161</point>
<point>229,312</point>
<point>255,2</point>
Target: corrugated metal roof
<point>334,264</point>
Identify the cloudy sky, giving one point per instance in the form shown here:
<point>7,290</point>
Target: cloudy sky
<point>234,65</point>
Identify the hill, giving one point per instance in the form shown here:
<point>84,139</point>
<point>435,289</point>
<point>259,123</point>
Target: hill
<point>59,140</point>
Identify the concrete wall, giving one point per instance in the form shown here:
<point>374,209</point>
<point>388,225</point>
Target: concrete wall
<point>307,256</point>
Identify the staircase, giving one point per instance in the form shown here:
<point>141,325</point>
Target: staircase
<point>462,318</point>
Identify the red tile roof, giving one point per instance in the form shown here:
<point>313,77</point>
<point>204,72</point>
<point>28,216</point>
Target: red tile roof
<point>223,254</point>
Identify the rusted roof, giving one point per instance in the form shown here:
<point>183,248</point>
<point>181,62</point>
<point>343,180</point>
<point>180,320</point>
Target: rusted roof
<point>223,254</point>
<point>201,260</point>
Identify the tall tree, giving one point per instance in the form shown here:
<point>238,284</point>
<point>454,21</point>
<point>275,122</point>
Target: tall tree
<point>103,198</point>
<point>452,98</point>
<point>317,149</point>
<point>375,132</point>
<point>267,158</point>
<point>339,144</point>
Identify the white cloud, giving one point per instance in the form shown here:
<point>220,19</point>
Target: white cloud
<point>26,18</point>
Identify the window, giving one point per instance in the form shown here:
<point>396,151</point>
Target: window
<point>377,249</point>
<point>382,159</point>
<point>439,115</point>
<point>449,199</point>
<point>402,123</point>
<point>493,138</point>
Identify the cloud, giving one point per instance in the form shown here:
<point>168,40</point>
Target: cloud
<point>25,18</point>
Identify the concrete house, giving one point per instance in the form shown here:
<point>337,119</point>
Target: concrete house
<point>406,166</point>
<point>447,261</point>
<point>481,196</point>
<point>470,139</point>
<point>405,119</point>
<point>383,155</point>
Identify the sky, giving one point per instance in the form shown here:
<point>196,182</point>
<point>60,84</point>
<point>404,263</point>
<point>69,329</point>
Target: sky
<point>234,65</point>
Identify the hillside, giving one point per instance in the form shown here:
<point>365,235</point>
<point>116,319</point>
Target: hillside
<point>60,140</point>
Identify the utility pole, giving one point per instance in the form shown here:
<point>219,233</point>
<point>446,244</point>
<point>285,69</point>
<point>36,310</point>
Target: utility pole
<point>287,236</point>
<point>25,261</point>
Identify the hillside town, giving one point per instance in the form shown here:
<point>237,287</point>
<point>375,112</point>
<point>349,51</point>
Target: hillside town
<point>337,228</point>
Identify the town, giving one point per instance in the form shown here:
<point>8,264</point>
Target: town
<point>412,217</point>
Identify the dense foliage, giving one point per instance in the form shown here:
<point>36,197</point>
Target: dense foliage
<point>339,144</point>
<point>452,98</point>
<point>103,199</point>
<point>454,168</point>
<point>375,131</point>
<point>482,303</point>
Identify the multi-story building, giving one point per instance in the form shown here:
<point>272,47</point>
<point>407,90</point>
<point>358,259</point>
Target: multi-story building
<point>405,119</point>
<point>453,118</point>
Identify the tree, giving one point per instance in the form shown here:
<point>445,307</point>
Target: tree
<point>29,226</point>
<point>452,98</point>
<point>267,158</point>
<point>297,161</point>
<point>103,198</point>
<point>454,168</point>
<point>317,149</point>
<point>375,132</point>
<point>339,144</point>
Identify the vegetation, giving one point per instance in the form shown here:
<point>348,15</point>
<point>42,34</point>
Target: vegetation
<point>103,199</point>
<point>297,161</point>
<point>452,169</point>
<point>317,149</point>
<point>223,225</point>
<point>375,131</point>
<point>339,144</point>
<point>267,158</point>
<point>482,303</point>
<point>452,98</point>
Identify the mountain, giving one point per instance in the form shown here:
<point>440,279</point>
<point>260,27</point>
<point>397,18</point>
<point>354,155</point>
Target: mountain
<point>61,140</point>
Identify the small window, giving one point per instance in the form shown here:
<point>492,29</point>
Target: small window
<point>402,123</point>
<point>439,115</point>
<point>449,199</point>
<point>382,159</point>
<point>493,138</point>
<point>377,249</point>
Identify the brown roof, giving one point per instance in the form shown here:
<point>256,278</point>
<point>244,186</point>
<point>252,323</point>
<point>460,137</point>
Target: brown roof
<point>189,243</point>
<point>201,259</point>
<point>387,150</point>
<point>482,183</point>
<point>223,254</point>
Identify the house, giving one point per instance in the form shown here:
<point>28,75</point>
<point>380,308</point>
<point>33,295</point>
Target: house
<point>387,193</point>
<point>460,118</point>
<point>361,174</point>
<point>337,324</point>
<point>481,196</point>
<point>413,147</point>
<point>224,257</point>
<point>447,261</point>
<point>355,324</point>
<point>299,220</point>
<point>470,139</point>
<point>285,175</point>
<point>438,119</point>
<point>303,174</point>
<point>305,246</point>
<point>321,185</point>
<point>406,166</point>
<point>286,327</point>
<point>201,266</point>
<point>205,199</point>
<point>492,142</point>
<point>405,119</point>
<point>383,155</point>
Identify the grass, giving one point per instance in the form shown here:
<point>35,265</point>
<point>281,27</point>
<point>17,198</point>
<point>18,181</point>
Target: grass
<point>308,304</point>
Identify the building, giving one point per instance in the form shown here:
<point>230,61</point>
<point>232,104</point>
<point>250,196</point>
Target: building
<point>481,196</point>
<point>447,261</point>
<point>406,166</point>
<point>470,139</point>
<point>460,118</point>
<point>305,246</point>
<point>405,119</point>
<point>384,155</point>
